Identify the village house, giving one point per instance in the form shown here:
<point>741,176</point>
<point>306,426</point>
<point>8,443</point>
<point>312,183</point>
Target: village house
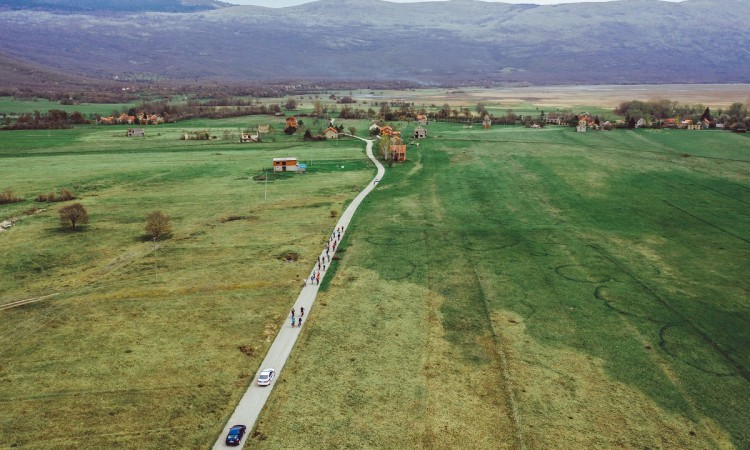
<point>386,130</point>
<point>695,126</point>
<point>331,133</point>
<point>422,119</point>
<point>397,149</point>
<point>136,132</point>
<point>420,132</point>
<point>285,165</point>
<point>486,122</point>
<point>291,122</point>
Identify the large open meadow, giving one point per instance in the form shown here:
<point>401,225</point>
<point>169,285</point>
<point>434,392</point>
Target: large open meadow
<point>141,345</point>
<point>519,288</point>
<point>502,288</point>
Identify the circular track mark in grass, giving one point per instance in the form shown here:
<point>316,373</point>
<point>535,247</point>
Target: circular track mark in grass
<point>633,302</point>
<point>679,341</point>
<point>479,244</point>
<point>396,238</point>
<point>596,274</point>
<point>545,249</point>
<point>397,269</point>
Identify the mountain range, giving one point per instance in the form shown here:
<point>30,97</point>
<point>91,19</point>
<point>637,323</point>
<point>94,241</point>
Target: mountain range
<point>456,41</point>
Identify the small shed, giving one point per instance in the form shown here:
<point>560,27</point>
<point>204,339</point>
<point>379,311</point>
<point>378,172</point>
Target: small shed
<point>420,132</point>
<point>331,133</point>
<point>136,132</point>
<point>291,122</point>
<point>487,121</point>
<point>285,165</point>
<point>248,137</point>
<point>582,125</point>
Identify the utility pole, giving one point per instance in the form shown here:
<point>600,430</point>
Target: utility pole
<point>156,269</point>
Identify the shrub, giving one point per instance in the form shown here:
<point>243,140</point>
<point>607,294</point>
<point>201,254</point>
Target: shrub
<point>157,225</point>
<point>9,197</point>
<point>50,197</point>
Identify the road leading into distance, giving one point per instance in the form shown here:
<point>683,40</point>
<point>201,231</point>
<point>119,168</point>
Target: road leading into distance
<point>252,402</point>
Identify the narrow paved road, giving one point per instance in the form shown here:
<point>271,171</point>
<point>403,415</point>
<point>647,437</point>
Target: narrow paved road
<point>252,402</point>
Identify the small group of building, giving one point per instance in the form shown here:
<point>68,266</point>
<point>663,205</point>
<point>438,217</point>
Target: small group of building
<point>686,124</point>
<point>249,136</point>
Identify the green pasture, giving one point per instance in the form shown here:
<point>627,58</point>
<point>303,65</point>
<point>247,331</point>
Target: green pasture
<point>503,288</point>
<point>520,288</point>
<point>10,106</point>
<point>141,344</point>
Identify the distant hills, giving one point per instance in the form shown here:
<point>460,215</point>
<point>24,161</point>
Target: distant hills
<point>110,6</point>
<point>457,41</point>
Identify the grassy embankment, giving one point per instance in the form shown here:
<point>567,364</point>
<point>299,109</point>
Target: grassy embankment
<point>535,288</point>
<point>140,348</point>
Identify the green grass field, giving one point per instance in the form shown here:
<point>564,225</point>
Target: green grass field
<point>141,346</point>
<point>503,288</point>
<point>10,106</point>
<point>519,288</point>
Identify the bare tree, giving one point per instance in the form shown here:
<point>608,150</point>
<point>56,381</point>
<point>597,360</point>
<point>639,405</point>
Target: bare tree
<point>157,225</point>
<point>74,214</point>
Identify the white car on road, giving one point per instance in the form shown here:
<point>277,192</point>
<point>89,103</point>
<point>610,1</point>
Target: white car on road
<point>266,376</point>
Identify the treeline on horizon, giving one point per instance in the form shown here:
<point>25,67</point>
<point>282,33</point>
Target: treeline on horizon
<point>657,111</point>
<point>653,112</point>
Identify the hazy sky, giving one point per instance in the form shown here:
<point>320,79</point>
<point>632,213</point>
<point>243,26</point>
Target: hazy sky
<point>282,3</point>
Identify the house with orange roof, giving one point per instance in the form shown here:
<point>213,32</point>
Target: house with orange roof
<point>331,133</point>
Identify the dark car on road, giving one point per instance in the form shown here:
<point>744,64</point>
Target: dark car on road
<point>235,434</point>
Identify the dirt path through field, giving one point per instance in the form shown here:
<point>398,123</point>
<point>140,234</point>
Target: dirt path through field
<point>255,397</point>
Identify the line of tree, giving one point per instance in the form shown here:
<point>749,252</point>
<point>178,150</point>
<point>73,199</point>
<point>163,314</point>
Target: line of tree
<point>54,119</point>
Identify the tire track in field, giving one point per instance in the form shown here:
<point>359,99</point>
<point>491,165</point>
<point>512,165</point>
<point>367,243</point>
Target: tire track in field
<point>700,219</point>
<point>51,312</point>
<point>725,354</point>
<point>742,370</point>
<point>500,349</point>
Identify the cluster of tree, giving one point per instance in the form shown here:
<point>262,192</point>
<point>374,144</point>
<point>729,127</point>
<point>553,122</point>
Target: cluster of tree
<point>347,99</point>
<point>347,112</point>
<point>211,109</point>
<point>158,225</point>
<point>53,119</point>
<point>657,111</point>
